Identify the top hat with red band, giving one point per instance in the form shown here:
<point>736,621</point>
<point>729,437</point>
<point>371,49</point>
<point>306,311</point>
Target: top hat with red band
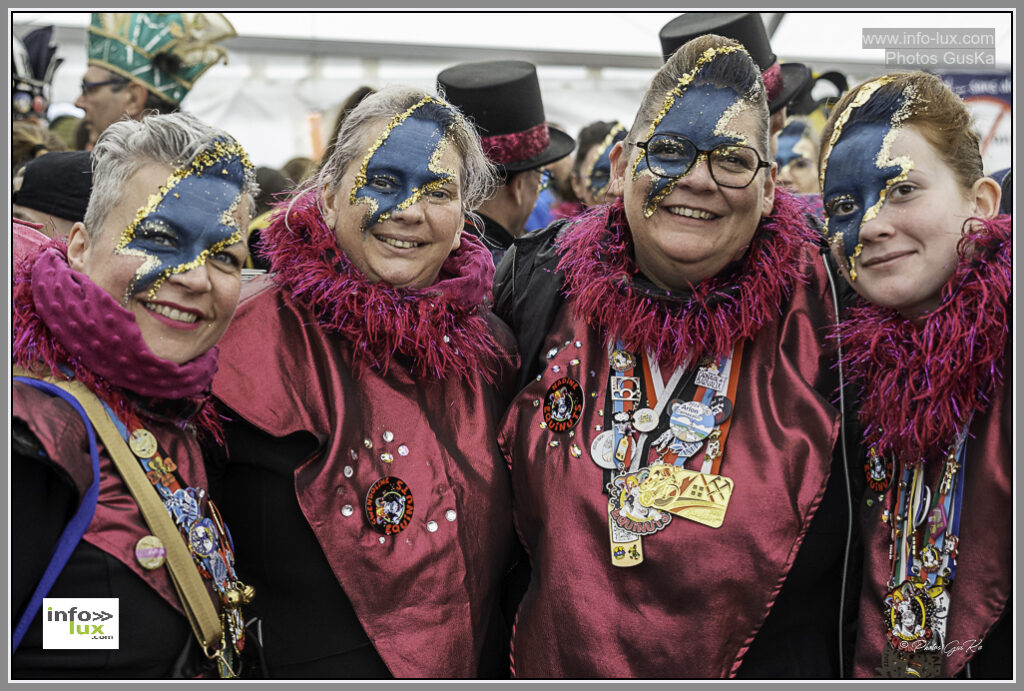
<point>781,81</point>
<point>502,98</point>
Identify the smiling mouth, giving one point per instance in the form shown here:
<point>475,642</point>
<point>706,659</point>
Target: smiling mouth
<point>400,244</point>
<point>877,261</point>
<point>171,313</point>
<point>689,212</point>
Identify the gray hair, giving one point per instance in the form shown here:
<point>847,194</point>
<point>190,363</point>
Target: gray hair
<point>127,146</point>
<point>733,70</point>
<point>478,178</point>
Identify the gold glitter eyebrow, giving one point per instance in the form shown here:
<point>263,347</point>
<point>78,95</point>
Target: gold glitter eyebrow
<point>216,152</point>
<point>681,85</point>
<point>884,157</point>
<point>434,166</point>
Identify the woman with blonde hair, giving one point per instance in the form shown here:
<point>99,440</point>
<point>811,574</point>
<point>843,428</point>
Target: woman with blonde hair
<point>682,510</point>
<point>366,381</point>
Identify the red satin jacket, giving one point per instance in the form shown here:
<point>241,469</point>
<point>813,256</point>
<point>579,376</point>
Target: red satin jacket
<point>696,603</point>
<point>422,595</point>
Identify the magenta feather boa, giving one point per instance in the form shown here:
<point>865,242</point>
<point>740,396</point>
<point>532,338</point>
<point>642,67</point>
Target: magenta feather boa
<point>600,271</point>
<point>441,328</point>
<point>923,381</point>
<point>58,318</point>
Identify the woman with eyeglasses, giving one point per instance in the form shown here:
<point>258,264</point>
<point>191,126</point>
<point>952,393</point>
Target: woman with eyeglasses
<point>671,451</point>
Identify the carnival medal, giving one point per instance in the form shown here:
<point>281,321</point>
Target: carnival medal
<point>700,497</point>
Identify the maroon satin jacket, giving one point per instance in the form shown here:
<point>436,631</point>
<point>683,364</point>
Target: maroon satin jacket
<point>283,373</point>
<point>695,604</point>
<point>983,583</point>
<point>117,524</point>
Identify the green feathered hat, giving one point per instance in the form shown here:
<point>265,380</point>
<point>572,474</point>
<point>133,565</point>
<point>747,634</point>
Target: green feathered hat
<point>164,51</point>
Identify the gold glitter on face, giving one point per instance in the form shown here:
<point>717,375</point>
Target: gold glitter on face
<point>403,164</point>
<point>884,158</point>
<point>859,184</point>
<point>699,111</point>
<point>864,94</point>
<point>172,232</point>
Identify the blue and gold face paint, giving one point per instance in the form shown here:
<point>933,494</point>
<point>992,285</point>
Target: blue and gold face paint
<point>189,219</point>
<point>789,137</point>
<point>601,171</point>
<point>403,164</point>
<point>700,113</point>
<point>858,168</point>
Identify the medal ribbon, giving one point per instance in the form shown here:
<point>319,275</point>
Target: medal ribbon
<point>664,392</point>
<point>216,563</point>
<point>916,522</point>
<point>623,450</point>
<point>728,371</point>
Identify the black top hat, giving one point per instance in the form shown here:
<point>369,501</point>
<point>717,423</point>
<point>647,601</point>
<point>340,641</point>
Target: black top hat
<point>502,97</point>
<point>748,29</point>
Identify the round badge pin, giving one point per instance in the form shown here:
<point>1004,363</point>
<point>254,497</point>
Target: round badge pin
<point>721,407</point>
<point>645,420</point>
<point>150,552</point>
<point>879,471</point>
<point>389,505</point>
<point>142,443</point>
<point>202,537</point>
<point>601,450</point>
<point>622,360</point>
<point>692,421</point>
<point>563,404</point>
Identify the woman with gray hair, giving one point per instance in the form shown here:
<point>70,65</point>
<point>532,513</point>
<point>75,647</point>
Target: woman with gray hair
<point>365,378</point>
<point>674,438</point>
<point>114,333</point>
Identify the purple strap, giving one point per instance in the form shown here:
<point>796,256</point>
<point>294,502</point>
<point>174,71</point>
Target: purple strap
<point>75,528</point>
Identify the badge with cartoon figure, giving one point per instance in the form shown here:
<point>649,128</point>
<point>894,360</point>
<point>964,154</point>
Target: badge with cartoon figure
<point>915,616</point>
<point>563,405</point>
<point>389,505</point>
<point>626,509</point>
<point>622,360</point>
<point>878,470</point>
<point>627,548</point>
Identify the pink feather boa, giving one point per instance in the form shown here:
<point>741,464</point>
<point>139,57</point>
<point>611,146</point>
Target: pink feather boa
<point>922,381</point>
<point>122,371</point>
<point>600,271</point>
<point>441,328</point>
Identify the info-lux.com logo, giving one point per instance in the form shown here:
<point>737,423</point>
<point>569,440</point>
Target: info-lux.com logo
<point>81,623</point>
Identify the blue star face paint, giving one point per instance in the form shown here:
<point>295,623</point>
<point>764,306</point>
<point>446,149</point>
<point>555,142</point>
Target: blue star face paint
<point>601,171</point>
<point>189,219</point>
<point>699,112</point>
<point>403,164</point>
<point>858,168</point>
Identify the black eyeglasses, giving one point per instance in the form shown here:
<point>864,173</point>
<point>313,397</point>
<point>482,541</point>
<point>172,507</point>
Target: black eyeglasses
<point>673,156</point>
<point>89,87</point>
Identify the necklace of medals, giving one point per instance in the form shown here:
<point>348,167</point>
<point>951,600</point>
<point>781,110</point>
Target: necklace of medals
<point>653,428</point>
<point>207,538</point>
<point>924,531</point>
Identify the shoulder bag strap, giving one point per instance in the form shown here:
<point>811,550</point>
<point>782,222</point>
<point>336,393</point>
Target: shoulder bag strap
<point>192,591</point>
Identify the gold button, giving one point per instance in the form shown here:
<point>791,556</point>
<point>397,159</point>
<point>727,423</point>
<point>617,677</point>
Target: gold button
<point>142,443</point>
